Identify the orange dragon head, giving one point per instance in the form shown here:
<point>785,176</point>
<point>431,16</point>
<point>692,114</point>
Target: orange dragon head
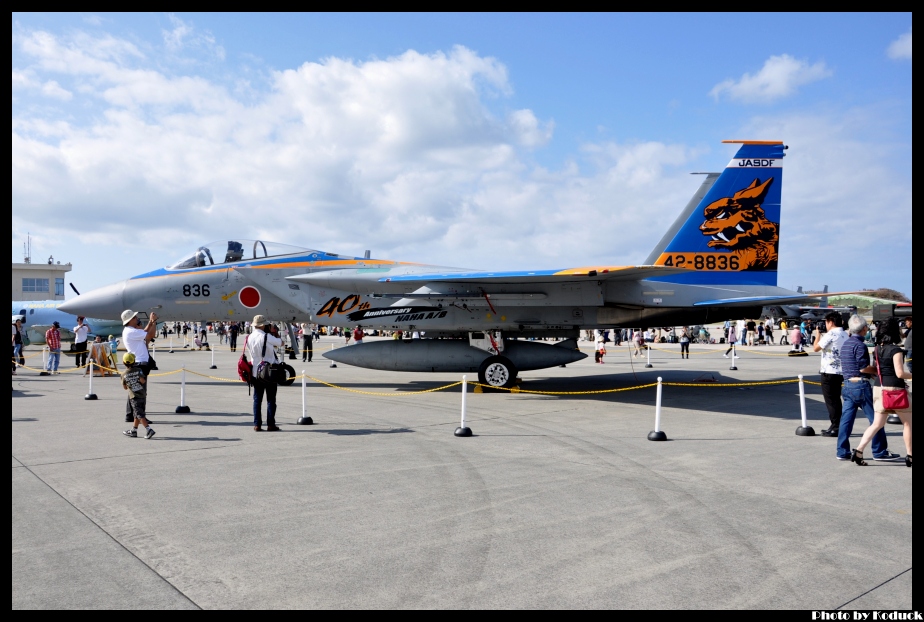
<point>738,222</point>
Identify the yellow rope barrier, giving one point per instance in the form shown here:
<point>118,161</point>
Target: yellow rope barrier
<point>738,349</point>
<point>515,389</point>
<point>334,386</point>
<point>772,353</point>
<point>599,391</point>
<point>729,384</point>
<point>195,373</point>
<point>692,351</point>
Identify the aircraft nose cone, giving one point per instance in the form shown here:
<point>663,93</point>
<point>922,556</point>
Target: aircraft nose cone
<point>105,303</point>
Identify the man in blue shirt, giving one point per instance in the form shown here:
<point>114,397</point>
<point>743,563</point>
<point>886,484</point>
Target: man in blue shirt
<point>858,393</point>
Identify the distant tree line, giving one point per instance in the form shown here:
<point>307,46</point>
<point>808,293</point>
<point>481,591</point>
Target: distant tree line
<point>885,292</point>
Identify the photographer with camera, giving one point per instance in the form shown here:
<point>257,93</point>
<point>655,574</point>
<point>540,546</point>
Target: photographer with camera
<point>261,347</point>
<point>136,339</point>
<point>829,344</point>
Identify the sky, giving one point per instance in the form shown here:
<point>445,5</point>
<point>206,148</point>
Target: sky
<point>486,141</point>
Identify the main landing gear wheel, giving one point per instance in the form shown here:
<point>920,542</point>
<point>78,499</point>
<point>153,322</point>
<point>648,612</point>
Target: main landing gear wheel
<point>497,371</point>
<point>290,375</point>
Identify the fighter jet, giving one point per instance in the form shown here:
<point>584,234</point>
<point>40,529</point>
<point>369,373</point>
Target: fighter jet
<point>818,312</point>
<point>717,261</point>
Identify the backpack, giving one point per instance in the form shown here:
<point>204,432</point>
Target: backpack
<point>245,368</point>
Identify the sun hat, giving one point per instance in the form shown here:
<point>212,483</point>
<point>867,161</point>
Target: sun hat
<point>259,320</point>
<point>127,316</point>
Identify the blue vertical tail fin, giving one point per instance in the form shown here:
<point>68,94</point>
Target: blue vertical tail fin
<point>732,234</point>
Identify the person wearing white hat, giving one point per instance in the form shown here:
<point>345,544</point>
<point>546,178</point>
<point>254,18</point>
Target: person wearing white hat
<point>261,347</point>
<point>135,339</point>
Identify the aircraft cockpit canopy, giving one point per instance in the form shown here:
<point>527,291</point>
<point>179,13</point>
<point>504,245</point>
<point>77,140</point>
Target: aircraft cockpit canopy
<point>232,251</point>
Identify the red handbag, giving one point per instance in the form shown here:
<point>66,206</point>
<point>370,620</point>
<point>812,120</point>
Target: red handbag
<point>892,399</point>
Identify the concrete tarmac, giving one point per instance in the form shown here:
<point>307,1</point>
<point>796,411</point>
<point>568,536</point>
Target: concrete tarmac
<point>555,502</point>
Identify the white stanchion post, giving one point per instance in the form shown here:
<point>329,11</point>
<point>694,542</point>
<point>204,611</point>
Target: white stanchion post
<point>463,430</point>
<point>657,434</point>
<point>805,429</point>
<point>183,408</point>
<point>90,394</point>
<point>304,419</point>
<point>213,366</point>
<point>332,364</point>
<point>171,345</point>
<point>734,366</point>
<point>648,364</point>
<point>46,354</point>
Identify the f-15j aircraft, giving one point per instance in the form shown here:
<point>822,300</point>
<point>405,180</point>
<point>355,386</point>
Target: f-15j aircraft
<point>718,261</point>
<point>818,312</point>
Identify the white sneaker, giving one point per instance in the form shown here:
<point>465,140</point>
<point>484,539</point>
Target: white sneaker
<point>725,355</point>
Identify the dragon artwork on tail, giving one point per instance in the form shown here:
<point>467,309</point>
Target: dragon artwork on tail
<point>738,224</point>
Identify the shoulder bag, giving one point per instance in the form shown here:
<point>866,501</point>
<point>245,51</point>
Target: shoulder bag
<point>892,399</point>
<point>267,372</point>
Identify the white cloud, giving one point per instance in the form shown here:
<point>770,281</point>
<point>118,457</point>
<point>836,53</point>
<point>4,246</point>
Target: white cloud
<point>26,80</point>
<point>401,155</point>
<point>53,89</point>
<point>529,132</point>
<point>900,49</point>
<point>780,77</point>
<point>185,34</point>
<point>843,199</point>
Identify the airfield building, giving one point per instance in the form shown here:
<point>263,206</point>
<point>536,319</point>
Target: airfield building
<point>39,281</point>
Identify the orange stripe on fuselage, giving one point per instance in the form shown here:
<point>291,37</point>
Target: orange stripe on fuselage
<point>582,271</point>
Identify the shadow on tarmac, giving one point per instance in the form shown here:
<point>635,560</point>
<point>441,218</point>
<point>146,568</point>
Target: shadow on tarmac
<point>362,432</point>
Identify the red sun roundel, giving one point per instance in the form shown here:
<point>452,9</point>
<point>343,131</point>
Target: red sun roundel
<point>249,297</point>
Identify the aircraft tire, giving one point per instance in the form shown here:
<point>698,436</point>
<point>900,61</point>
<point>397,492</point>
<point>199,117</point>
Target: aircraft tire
<point>498,371</point>
<point>290,375</point>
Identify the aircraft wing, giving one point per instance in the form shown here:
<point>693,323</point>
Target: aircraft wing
<point>601,273</point>
<point>365,280</point>
<point>750,301</point>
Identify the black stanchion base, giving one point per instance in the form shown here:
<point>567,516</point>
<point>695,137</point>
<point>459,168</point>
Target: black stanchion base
<point>734,368</point>
<point>182,409</point>
<point>657,436</point>
<point>463,432</point>
<point>90,396</point>
<point>305,421</point>
<point>48,373</point>
<point>649,366</point>
<point>805,431</point>
<point>333,365</point>
<point>562,365</point>
<point>894,420</point>
<point>213,366</point>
